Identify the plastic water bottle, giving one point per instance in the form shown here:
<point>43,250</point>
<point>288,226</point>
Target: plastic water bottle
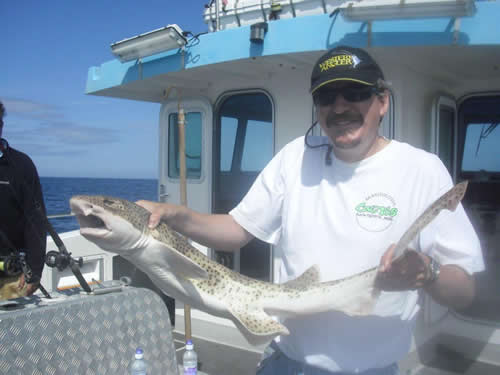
<point>190,359</point>
<point>138,366</point>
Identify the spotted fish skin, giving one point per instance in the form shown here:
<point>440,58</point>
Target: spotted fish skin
<point>184,273</point>
<point>448,200</point>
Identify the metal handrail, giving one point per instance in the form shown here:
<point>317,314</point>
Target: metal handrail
<point>57,216</point>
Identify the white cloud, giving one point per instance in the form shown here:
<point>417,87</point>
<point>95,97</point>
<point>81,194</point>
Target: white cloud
<point>51,130</point>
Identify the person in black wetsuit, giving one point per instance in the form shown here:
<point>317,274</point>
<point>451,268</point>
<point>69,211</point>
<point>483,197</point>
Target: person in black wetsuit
<point>22,215</point>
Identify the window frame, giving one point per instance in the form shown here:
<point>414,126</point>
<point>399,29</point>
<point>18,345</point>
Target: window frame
<point>448,101</point>
<point>218,104</point>
<point>192,104</point>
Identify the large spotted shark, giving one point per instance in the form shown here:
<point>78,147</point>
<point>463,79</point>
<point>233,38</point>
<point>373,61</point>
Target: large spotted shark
<point>184,273</point>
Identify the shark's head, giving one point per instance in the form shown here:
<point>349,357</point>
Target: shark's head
<point>113,224</point>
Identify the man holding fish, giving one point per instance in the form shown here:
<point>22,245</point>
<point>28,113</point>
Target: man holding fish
<point>339,202</point>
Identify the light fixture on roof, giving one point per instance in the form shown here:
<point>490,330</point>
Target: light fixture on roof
<point>370,10</point>
<point>258,32</point>
<point>147,44</point>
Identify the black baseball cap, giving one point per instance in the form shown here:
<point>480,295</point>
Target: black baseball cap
<point>345,63</point>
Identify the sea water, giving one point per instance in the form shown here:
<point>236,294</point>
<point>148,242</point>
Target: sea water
<point>57,192</point>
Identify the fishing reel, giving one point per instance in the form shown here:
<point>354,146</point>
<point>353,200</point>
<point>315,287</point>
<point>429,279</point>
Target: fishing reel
<point>10,265</point>
<point>61,260</point>
<point>15,264</point>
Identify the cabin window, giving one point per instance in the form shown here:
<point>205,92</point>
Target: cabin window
<point>479,163</point>
<point>481,148</point>
<point>229,125</point>
<point>245,133</point>
<point>193,137</point>
<point>258,146</point>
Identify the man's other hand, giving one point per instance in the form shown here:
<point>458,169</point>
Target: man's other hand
<point>408,272</point>
<point>30,288</point>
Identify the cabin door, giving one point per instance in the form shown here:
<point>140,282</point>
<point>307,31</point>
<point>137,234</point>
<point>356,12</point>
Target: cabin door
<point>243,143</point>
<point>479,163</point>
<point>466,138</point>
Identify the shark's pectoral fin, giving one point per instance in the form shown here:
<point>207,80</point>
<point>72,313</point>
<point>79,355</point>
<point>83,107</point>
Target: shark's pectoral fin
<point>310,276</point>
<point>179,263</point>
<point>255,324</point>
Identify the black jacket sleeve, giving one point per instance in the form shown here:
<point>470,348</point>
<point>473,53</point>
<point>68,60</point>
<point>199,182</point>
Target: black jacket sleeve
<point>35,231</point>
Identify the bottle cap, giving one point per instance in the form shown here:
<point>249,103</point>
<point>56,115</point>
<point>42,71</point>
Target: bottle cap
<point>189,345</point>
<point>139,354</point>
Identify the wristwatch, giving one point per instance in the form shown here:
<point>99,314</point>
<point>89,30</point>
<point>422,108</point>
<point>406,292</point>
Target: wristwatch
<point>434,269</point>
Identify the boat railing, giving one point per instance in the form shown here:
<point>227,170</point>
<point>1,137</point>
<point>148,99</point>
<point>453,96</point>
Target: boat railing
<point>59,216</point>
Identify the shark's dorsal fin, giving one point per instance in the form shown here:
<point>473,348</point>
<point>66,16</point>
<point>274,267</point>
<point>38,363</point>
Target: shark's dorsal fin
<point>310,276</point>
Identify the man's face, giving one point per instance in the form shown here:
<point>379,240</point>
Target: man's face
<point>350,115</point>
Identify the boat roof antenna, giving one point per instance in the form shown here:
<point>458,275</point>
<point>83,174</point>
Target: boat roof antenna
<point>181,123</point>
<point>485,132</point>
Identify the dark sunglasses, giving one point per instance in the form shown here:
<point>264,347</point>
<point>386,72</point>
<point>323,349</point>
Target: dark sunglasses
<point>353,94</point>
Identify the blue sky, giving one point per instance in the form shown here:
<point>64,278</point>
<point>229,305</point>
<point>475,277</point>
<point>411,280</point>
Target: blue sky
<point>47,48</point>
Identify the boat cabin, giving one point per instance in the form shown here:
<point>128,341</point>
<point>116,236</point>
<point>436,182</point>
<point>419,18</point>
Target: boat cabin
<point>244,89</point>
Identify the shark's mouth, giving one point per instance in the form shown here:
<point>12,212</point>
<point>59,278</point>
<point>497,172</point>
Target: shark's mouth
<point>90,223</point>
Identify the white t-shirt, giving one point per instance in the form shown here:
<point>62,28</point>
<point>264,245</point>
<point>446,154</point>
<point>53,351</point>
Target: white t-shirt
<point>343,217</point>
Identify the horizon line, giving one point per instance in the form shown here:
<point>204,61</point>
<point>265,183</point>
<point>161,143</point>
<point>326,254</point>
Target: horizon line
<point>104,178</point>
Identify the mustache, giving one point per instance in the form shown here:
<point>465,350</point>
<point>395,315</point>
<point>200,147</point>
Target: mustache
<point>349,116</point>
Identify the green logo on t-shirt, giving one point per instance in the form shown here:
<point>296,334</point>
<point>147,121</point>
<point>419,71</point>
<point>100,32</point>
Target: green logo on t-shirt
<point>377,212</point>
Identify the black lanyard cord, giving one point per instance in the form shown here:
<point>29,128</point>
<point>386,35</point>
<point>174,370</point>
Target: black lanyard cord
<point>328,157</point>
